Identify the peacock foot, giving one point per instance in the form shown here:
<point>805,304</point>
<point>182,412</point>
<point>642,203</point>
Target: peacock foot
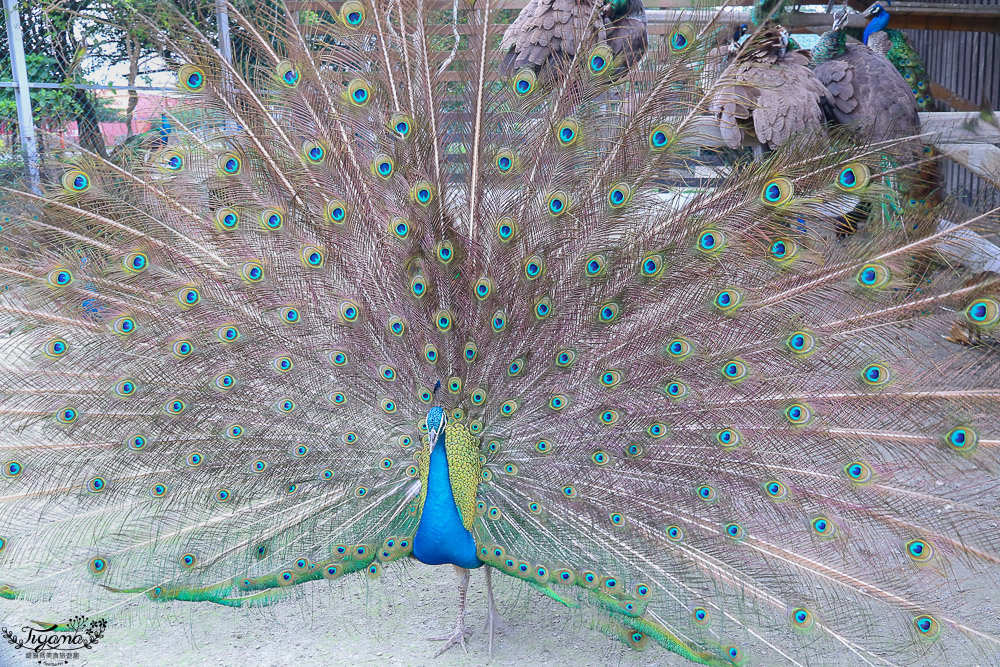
<point>494,624</point>
<point>456,636</point>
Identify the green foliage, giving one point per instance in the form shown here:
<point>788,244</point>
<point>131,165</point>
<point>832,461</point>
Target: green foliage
<point>51,107</point>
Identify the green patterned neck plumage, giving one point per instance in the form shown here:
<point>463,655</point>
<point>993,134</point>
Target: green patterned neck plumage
<point>617,8</point>
<point>830,45</point>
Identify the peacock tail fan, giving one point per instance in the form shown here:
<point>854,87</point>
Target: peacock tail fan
<point>698,413</point>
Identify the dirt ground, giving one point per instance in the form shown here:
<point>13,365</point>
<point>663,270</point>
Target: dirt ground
<point>355,623</point>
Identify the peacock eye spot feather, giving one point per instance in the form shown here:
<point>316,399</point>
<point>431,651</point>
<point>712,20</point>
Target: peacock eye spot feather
<point>962,439</point>
<point>677,390</point>
<point>711,241</point>
<point>729,438</point>
<point>620,195</point>
<point>873,276</point>
<point>983,312</point>
<point>728,300</point>
<point>524,82</point>
<point>595,265</point>
<point>927,627</point>
<point>191,78</point>
<point>701,616</point>
<point>777,191</point>
<point>557,203</point>
<point>609,417</point>
<point>679,348</point>
<point>660,137</point>
<point>919,551</point>
<point>798,414</point>
<point>542,308</point>
<point>823,527</point>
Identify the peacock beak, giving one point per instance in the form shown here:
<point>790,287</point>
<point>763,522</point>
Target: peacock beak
<point>869,11</point>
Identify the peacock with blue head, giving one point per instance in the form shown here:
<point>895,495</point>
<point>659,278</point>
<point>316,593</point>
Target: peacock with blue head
<point>449,471</point>
<point>899,50</point>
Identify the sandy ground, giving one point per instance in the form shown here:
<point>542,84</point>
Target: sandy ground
<point>356,623</point>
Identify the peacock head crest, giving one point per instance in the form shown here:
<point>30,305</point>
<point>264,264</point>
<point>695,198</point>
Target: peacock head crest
<point>436,421</point>
<point>878,19</point>
<point>877,9</point>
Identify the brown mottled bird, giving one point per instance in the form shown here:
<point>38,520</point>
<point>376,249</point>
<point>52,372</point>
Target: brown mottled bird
<point>864,86</point>
<point>867,92</point>
<point>767,93</point>
<point>553,30</point>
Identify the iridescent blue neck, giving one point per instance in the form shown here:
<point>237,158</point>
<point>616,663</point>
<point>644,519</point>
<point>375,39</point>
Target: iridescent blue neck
<point>878,22</point>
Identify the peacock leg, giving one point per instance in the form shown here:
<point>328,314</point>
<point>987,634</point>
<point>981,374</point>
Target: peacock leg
<point>493,620</point>
<point>457,636</point>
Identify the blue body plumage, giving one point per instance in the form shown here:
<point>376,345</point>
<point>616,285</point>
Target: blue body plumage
<point>441,537</point>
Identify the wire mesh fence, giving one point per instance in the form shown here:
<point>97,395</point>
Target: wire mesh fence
<point>92,77</point>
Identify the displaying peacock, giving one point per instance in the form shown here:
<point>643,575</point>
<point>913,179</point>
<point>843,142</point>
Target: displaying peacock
<point>373,301</point>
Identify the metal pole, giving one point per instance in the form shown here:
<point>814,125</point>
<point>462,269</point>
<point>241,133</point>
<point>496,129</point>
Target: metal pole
<point>222,19</point>
<point>25,124</point>
<point>226,51</point>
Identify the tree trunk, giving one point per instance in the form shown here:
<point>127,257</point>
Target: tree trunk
<point>66,51</point>
<point>133,72</point>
